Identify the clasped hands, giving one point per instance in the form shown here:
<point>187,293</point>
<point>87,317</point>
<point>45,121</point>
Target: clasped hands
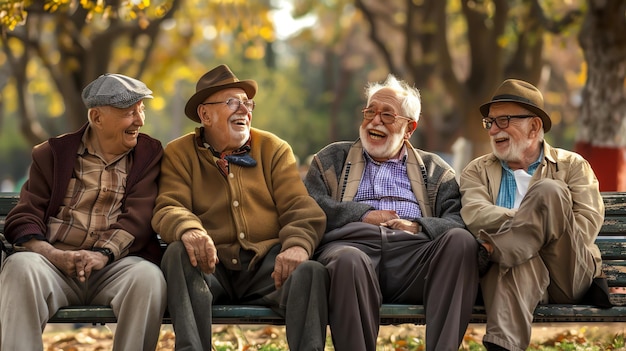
<point>76,264</point>
<point>390,219</point>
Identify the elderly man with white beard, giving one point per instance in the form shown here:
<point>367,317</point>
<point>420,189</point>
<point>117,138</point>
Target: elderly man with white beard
<point>394,233</point>
<point>537,211</point>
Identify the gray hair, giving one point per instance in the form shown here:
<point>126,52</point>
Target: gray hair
<point>408,95</point>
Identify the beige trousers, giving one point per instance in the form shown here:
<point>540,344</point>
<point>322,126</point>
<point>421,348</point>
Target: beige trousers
<point>32,289</point>
<point>540,256</point>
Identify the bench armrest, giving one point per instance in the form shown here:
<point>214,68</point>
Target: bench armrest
<point>5,245</point>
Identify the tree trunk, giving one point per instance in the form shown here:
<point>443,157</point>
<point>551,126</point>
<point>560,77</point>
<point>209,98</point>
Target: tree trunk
<point>601,136</point>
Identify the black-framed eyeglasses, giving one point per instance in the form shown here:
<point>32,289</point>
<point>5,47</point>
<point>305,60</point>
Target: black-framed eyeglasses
<point>385,116</point>
<point>501,121</point>
<point>234,104</point>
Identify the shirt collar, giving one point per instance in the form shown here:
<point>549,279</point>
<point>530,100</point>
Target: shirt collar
<point>86,146</point>
<point>403,157</point>
<point>201,142</point>
<point>531,169</point>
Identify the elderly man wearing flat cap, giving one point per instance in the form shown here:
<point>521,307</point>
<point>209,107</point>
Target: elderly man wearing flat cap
<point>240,224</point>
<point>537,211</point>
<point>81,229</point>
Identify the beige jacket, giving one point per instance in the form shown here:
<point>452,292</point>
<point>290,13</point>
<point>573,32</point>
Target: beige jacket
<point>480,184</point>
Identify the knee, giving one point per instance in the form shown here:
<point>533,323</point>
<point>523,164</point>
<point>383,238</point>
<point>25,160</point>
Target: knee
<point>312,270</point>
<point>348,255</point>
<point>459,241</point>
<point>147,275</point>
<point>547,187</point>
<point>174,254</point>
<point>347,259</point>
<point>20,265</point>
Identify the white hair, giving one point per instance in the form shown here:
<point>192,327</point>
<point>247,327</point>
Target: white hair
<point>89,115</point>
<point>408,95</point>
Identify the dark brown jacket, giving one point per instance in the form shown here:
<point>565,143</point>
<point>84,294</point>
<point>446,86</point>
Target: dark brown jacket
<point>50,173</point>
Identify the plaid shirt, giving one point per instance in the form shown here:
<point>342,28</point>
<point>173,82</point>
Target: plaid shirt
<point>508,186</point>
<point>386,186</point>
<point>93,200</point>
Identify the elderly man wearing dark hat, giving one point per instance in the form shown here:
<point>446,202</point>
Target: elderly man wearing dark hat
<point>537,211</point>
<point>240,224</point>
<point>81,229</point>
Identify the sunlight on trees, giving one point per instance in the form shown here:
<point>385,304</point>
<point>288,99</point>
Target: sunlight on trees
<point>456,52</point>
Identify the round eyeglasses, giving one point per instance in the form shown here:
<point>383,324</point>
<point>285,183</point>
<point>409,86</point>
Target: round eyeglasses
<point>234,104</point>
<point>501,121</point>
<point>385,117</point>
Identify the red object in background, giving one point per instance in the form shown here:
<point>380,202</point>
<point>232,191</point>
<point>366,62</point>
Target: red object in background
<point>608,163</point>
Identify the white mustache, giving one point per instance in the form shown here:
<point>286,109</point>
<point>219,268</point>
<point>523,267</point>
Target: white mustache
<point>234,118</point>
<point>501,134</point>
<point>378,129</point>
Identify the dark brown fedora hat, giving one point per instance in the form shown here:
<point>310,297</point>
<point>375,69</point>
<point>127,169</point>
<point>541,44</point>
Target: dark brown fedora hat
<point>219,78</point>
<point>523,93</point>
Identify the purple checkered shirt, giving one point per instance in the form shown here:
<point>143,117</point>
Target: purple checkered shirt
<point>386,186</point>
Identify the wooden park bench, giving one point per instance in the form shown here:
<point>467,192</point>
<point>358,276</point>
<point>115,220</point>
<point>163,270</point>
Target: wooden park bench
<point>611,241</point>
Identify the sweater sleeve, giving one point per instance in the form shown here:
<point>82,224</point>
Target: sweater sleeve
<point>322,182</point>
<point>172,212</point>
<point>447,207</point>
<point>301,219</point>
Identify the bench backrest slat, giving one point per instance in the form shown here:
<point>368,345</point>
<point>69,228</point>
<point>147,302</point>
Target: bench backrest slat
<point>611,241</point>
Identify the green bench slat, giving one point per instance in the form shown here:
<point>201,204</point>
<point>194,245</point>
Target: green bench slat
<point>391,314</point>
<point>614,203</point>
<point>612,244</point>
<point>84,314</point>
<point>614,226</point>
<point>615,272</point>
<point>7,202</point>
<point>612,249</point>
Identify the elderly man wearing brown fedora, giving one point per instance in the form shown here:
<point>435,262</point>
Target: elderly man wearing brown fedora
<point>240,224</point>
<point>537,211</point>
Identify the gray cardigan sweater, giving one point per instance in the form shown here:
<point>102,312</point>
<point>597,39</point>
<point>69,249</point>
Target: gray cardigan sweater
<point>335,174</point>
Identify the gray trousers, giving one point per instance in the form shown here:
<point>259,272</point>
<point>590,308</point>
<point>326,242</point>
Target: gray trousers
<point>302,299</point>
<point>32,290</point>
<point>540,256</point>
<point>369,265</point>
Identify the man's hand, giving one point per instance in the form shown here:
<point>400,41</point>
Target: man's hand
<point>75,264</point>
<point>402,224</point>
<point>86,261</point>
<point>378,217</point>
<point>201,250</point>
<point>286,262</point>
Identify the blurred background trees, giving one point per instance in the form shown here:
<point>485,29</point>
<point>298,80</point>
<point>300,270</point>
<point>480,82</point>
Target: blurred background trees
<point>312,70</point>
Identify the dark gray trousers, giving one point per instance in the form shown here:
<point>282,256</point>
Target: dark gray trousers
<point>302,299</point>
<point>369,265</point>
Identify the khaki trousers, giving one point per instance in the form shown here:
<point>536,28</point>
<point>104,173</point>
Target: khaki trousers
<point>540,256</point>
<point>32,290</point>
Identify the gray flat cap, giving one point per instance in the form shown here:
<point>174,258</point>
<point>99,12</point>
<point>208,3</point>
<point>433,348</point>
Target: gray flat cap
<point>115,90</point>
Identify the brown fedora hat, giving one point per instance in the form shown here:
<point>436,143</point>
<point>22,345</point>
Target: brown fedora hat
<point>219,78</point>
<point>523,93</point>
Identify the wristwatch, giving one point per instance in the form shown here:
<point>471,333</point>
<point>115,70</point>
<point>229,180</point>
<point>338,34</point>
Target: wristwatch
<point>105,251</point>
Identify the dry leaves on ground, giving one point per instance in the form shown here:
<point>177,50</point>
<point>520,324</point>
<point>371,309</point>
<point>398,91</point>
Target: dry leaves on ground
<point>405,337</point>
